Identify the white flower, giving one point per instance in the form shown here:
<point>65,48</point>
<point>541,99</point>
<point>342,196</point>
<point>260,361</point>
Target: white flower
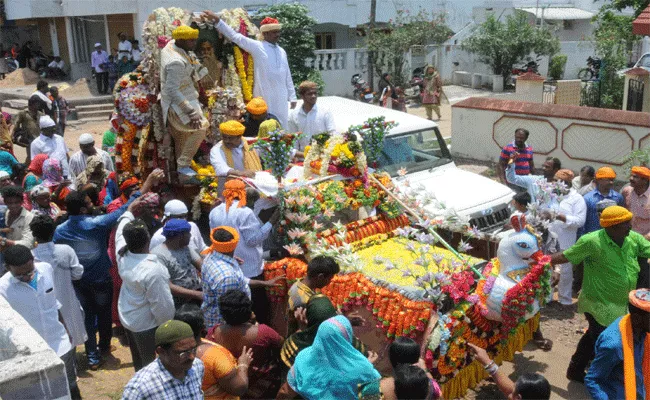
<point>294,249</point>
<point>402,172</point>
<point>296,233</point>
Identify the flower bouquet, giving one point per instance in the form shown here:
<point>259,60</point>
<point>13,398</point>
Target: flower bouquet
<point>373,132</point>
<point>275,151</point>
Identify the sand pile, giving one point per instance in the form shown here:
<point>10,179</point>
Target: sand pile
<point>20,77</point>
<point>81,88</point>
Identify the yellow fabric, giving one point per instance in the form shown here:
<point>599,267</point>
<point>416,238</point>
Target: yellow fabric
<point>629,373</point>
<point>223,247</point>
<point>185,32</point>
<point>232,128</point>
<point>605,173</point>
<point>257,106</point>
<point>267,127</point>
<point>470,376</point>
<point>643,172</point>
<point>251,159</point>
<point>614,215</point>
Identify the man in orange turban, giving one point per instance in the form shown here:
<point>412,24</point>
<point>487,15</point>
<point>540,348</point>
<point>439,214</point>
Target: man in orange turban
<point>256,113</point>
<point>237,211</point>
<point>611,271</point>
<point>232,155</point>
<point>604,191</point>
<point>273,80</point>
<point>637,200</point>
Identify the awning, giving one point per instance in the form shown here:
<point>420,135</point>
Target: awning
<point>558,13</point>
<point>641,25</point>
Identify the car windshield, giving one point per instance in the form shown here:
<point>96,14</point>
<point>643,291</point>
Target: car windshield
<point>644,61</point>
<point>413,151</point>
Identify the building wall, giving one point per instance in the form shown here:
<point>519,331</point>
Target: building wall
<point>576,135</point>
<point>345,37</point>
<point>62,38</point>
<point>45,39</point>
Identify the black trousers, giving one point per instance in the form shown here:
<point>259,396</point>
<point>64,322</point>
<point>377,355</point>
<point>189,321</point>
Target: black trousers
<point>585,351</point>
<point>142,346</point>
<point>261,306</point>
<point>96,299</point>
<point>643,282</point>
<point>102,82</point>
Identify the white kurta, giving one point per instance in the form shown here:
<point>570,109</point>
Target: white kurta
<point>218,159</point>
<point>66,268</point>
<point>272,75</point>
<point>573,206</point>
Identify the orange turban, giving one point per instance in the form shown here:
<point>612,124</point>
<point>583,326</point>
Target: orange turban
<point>223,247</point>
<point>614,215</point>
<point>257,106</point>
<point>565,175</point>
<point>234,189</point>
<point>605,173</point>
<point>642,172</point>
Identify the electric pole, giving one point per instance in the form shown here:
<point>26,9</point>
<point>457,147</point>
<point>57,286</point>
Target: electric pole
<point>371,27</point>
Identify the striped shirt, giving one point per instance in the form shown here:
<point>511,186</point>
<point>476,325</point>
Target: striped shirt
<point>220,274</point>
<point>525,157</point>
<point>155,382</point>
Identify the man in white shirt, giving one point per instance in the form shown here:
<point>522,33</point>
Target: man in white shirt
<point>29,289</point>
<point>98,61</point>
<point>309,119</point>
<point>273,80</point>
<point>145,300</point>
<point>232,155</point>
<point>124,47</point>
<point>570,216</point>
<point>236,212</point>
<point>86,149</point>
<point>176,209</point>
<point>51,144</point>
<point>136,53</point>
<point>55,68</point>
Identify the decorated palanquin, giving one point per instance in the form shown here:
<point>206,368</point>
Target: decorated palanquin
<point>399,276</point>
<point>142,143</point>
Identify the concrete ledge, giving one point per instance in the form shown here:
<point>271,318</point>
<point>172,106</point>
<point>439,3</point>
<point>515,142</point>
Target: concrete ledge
<point>29,368</point>
<point>558,110</point>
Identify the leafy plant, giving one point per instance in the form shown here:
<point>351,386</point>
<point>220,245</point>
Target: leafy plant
<point>556,67</point>
<point>504,44</point>
<point>637,157</point>
<point>613,40</point>
<point>390,43</point>
<point>297,37</point>
<point>637,5</point>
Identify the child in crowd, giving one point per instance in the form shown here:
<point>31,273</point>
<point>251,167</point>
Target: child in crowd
<point>111,68</point>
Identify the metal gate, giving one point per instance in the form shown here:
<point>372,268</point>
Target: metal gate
<point>635,95</point>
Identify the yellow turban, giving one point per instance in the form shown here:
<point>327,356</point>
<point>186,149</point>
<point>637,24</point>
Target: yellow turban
<point>267,127</point>
<point>642,172</point>
<point>232,128</point>
<point>185,32</point>
<point>614,215</point>
<point>605,173</point>
<point>257,106</point>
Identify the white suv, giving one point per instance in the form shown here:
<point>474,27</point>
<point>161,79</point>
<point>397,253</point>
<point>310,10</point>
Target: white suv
<point>416,145</point>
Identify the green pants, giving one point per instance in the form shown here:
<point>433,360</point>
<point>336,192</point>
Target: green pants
<point>430,108</point>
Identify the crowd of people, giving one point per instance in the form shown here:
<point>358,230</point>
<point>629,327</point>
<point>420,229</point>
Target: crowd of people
<point>90,253</point>
<point>603,238</point>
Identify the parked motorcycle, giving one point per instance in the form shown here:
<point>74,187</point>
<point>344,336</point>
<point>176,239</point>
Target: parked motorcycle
<point>530,66</point>
<point>362,91</point>
<point>416,85</point>
<point>592,72</point>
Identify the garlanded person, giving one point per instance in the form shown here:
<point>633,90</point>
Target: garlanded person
<point>176,374</point>
<point>181,109</point>
<point>272,75</point>
<point>225,377</point>
<point>621,366</point>
<point>86,149</point>
<point>240,330</point>
<point>232,155</point>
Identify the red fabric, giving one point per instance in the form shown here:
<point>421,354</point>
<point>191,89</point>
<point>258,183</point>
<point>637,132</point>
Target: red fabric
<point>36,165</point>
<point>269,20</point>
<point>117,281</point>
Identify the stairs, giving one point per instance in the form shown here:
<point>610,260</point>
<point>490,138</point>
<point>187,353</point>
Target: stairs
<point>92,112</point>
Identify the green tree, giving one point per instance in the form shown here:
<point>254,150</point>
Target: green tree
<point>613,40</point>
<point>297,38</point>
<point>504,44</point>
<point>637,5</point>
<point>389,43</point>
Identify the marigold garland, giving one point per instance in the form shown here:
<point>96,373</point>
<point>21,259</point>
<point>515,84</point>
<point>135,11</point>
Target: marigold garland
<point>246,81</point>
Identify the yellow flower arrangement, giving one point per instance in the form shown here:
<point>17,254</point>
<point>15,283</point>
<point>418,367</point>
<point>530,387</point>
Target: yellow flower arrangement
<point>246,81</point>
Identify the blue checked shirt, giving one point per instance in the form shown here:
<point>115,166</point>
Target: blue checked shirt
<point>154,382</point>
<point>220,274</point>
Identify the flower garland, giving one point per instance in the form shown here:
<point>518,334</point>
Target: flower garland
<point>223,105</point>
<point>341,154</point>
<point>232,81</point>
<point>208,195</point>
<point>245,76</point>
<point>292,268</point>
